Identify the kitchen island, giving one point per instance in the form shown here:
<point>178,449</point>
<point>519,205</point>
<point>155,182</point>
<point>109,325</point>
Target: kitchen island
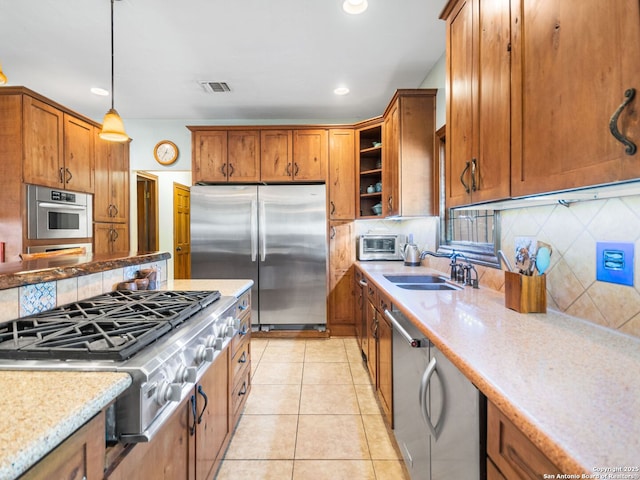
<point>570,386</point>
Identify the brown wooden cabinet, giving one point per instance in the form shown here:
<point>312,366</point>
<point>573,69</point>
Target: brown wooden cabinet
<point>512,456</point>
<point>294,155</point>
<point>341,179</point>
<point>571,66</point>
<point>110,238</point>
<point>359,311</point>
<point>111,198</point>
<point>384,358</point>
<point>59,147</point>
<point>409,187</point>
<point>372,332</point>
<point>225,155</point>
<point>276,153</point>
<point>341,294</point>
<point>81,456</point>
<point>240,363</point>
<point>478,101</point>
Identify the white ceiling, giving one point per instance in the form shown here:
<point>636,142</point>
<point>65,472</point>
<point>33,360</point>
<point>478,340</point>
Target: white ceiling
<point>281,58</point>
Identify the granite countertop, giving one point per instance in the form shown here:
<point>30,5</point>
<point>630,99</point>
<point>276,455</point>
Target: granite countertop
<point>17,274</point>
<point>41,409</point>
<point>571,386</point>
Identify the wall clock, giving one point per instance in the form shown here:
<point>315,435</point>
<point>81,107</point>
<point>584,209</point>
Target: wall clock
<point>165,152</point>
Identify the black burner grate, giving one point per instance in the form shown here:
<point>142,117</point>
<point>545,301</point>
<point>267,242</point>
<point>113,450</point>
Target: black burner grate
<point>112,326</point>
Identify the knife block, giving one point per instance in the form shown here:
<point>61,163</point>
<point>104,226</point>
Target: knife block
<point>525,294</point>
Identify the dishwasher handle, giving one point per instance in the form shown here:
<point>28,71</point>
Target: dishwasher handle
<point>414,342</point>
<point>424,386</point>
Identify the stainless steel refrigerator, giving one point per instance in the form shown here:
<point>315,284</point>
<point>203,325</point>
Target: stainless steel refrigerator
<point>272,234</point>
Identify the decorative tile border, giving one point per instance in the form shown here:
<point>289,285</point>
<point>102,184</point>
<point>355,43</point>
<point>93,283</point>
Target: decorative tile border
<point>37,298</point>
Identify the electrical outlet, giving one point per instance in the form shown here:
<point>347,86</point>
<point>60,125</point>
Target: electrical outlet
<point>614,262</point>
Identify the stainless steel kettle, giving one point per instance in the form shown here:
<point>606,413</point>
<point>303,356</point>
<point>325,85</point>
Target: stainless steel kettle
<point>411,255</point>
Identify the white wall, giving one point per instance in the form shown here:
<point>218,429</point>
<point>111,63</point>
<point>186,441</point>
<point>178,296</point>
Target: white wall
<point>437,78</point>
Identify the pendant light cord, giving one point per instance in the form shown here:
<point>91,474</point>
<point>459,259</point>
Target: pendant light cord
<point>112,61</point>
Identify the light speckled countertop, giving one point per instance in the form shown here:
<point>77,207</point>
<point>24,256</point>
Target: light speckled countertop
<point>571,386</point>
<point>233,288</point>
<point>41,409</point>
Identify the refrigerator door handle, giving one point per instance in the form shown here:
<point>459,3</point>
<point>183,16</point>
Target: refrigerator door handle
<point>254,230</point>
<point>263,232</point>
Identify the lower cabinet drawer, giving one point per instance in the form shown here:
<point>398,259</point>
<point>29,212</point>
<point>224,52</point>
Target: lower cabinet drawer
<point>240,392</point>
<point>492,471</point>
<point>512,452</point>
<point>240,358</point>
<point>244,334</point>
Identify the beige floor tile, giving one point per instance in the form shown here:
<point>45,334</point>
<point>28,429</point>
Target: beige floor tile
<point>328,399</point>
<point>257,348</point>
<point>381,445</point>
<point>390,470</point>
<point>354,353</point>
<point>327,437</point>
<point>255,470</point>
<point>366,400</point>
<point>326,350</point>
<point>326,373</point>
<point>262,437</point>
<point>333,470</point>
<point>273,400</point>
<point>278,373</point>
<point>360,373</point>
<point>283,353</point>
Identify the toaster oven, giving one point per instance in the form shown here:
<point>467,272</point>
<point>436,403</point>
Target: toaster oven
<point>381,246</point>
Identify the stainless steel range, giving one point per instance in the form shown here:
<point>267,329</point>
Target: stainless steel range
<point>164,339</point>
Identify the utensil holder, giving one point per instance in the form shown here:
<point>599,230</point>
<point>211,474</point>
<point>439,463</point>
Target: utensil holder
<point>524,293</point>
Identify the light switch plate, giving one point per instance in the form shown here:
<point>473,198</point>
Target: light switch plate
<point>614,262</point>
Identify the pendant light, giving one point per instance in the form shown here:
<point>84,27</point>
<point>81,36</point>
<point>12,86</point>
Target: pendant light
<point>112,125</point>
<point>3,77</point>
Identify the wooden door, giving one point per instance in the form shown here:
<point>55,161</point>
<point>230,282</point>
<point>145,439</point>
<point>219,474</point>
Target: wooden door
<point>43,143</point>
<point>310,155</point>
<point>102,238</point>
<point>79,157</point>
<point>119,181</point>
<point>210,156</point>
<point>391,161</point>
<point>119,236</point>
<point>461,85</point>
<point>181,231</point>
<point>276,151</point>
<point>212,422</point>
<point>572,64</point>
<point>243,155</point>
<point>342,174</point>
<point>341,294</point>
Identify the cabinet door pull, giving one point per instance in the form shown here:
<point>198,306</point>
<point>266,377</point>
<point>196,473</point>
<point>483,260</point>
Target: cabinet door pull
<point>243,358</point>
<point>297,169</point>
<point>466,187</point>
<point>474,183</point>
<point>223,169</point>
<point>520,463</point>
<point>231,170</point>
<point>192,428</point>
<point>631,147</point>
<point>424,385</point>
<point>61,174</point>
<point>288,171</point>
<point>333,207</point>
<point>243,390</point>
<point>115,210</point>
<point>333,233</point>
<point>204,407</point>
<point>390,202</point>
<point>69,175</point>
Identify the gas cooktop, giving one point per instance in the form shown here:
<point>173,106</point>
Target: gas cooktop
<point>111,326</point>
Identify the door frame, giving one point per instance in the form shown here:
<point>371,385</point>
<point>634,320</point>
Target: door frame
<point>147,212</point>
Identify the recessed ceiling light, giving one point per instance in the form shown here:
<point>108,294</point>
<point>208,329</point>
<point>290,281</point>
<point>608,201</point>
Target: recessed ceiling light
<point>355,6</point>
<point>100,91</point>
<point>341,91</point>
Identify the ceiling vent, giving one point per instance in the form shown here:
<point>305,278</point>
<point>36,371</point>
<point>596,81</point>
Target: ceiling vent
<point>215,87</point>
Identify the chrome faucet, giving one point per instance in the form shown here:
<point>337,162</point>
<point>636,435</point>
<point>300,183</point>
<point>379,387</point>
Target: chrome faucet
<point>464,273</point>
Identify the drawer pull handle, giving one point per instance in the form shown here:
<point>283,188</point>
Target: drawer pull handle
<point>631,147</point>
<point>243,358</point>
<point>520,463</point>
<point>243,390</point>
<point>192,428</point>
<point>466,187</point>
<point>204,407</point>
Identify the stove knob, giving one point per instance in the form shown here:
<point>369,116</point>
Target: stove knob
<point>186,374</point>
<point>214,342</point>
<point>169,392</point>
<point>204,354</point>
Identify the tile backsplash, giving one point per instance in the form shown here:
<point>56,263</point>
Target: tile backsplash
<point>573,232</point>
<point>30,299</point>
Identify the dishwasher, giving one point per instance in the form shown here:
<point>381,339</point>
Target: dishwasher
<point>439,415</point>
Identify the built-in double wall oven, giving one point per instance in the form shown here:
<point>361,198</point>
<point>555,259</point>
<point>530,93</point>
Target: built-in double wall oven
<point>58,215</point>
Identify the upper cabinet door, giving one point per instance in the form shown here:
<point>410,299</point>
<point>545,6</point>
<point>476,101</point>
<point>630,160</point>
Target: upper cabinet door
<point>43,144</point>
<point>310,155</point>
<point>342,174</point>
<point>79,156</point>
<point>572,64</point>
<point>209,156</point>
<point>276,152</point>
<point>243,161</point>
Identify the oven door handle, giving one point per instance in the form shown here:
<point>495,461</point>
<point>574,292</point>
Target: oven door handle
<point>192,428</point>
<point>61,206</point>
<point>206,401</point>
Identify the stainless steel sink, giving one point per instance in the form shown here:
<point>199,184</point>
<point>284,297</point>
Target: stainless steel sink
<point>428,286</point>
<point>415,279</point>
